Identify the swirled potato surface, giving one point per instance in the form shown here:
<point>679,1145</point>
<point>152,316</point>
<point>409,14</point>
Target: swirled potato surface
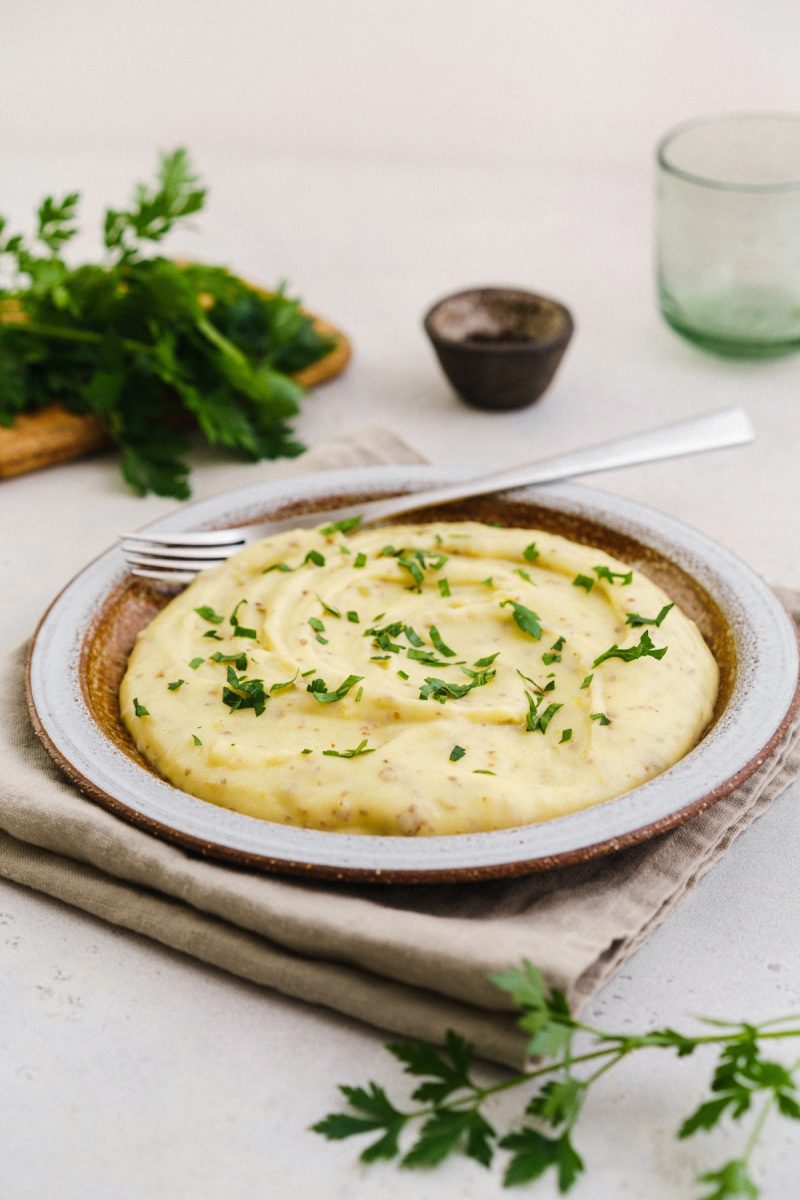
<point>417,679</point>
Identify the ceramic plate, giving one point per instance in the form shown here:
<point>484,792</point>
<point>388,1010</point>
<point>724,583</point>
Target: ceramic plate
<point>79,653</point>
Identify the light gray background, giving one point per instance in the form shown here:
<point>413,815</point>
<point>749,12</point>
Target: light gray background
<point>379,155</point>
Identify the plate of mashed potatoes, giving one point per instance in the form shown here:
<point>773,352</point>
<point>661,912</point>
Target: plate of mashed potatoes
<point>502,686</point>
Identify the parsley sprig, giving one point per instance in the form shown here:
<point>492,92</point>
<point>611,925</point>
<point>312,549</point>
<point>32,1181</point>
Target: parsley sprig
<point>447,1118</point>
<point>151,347</point>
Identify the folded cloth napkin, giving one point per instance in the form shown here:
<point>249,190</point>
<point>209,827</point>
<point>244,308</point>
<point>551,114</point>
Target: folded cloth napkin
<point>414,960</point>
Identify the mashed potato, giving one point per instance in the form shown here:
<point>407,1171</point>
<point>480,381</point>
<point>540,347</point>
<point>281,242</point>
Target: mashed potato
<point>417,679</point>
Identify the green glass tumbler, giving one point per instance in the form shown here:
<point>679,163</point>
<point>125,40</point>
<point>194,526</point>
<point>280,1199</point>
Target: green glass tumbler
<point>728,233</point>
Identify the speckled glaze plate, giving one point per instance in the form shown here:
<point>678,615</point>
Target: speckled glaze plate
<point>79,653</point>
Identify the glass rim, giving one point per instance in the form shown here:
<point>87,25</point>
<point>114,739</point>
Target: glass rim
<point>707,181</point>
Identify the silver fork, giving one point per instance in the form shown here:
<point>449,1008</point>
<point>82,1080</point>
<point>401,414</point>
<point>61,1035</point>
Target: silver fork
<point>179,557</point>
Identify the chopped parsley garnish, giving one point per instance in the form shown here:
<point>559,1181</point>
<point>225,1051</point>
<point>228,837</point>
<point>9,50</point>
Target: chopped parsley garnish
<point>285,683</point>
<point>305,674</point>
<point>403,674</point>
<point>212,633</point>
<point>243,631</point>
<point>635,621</point>
<point>343,526</point>
<point>315,557</point>
<point>526,619</point>
<point>318,628</point>
<point>530,553</point>
<point>436,639</point>
<point>319,689</point>
<point>456,753</point>
<point>196,662</point>
<point>624,577</point>
<point>536,721</point>
<point>413,636</point>
<point>139,709</point>
<point>645,649</point>
<point>360,560</point>
<point>234,617</point>
<point>441,690</point>
<point>353,617</point>
<point>488,581</point>
<point>583,581</point>
<point>587,681</point>
<point>537,687</point>
<point>443,586</point>
<point>306,751</point>
<point>601,718</point>
<point>208,614</point>
<point>361,748</point>
<point>281,566</point>
<point>414,569</point>
<point>359,694</point>
<point>486,662</point>
<point>384,642</point>
<point>430,660</point>
<point>379,657</point>
<point>566,736</point>
<point>416,563</point>
<point>238,660</point>
<point>244,693</point>
<point>176,683</point>
<point>523,574</point>
<point>483,772</point>
<point>553,655</point>
<point>196,740</point>
<point>327,608</point>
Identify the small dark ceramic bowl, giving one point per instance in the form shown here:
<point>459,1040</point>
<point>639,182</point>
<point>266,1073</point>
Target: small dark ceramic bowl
<point>499,347</point>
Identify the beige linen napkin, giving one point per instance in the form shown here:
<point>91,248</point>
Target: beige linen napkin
<point>412,960</point>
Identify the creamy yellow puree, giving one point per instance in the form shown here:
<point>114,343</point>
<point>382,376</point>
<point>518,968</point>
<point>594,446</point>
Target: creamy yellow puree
<point>461,587</point>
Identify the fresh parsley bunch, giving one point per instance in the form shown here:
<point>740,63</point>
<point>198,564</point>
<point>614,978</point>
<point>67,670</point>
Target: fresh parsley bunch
<point>152,347</point>
<point>448,1113</point>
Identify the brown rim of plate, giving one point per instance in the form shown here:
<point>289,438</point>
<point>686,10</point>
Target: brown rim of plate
<point>243,858</point>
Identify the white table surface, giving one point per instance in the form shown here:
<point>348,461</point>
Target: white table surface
<point>129,1071</point>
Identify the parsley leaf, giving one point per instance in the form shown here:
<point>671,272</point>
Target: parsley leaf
<point>624,577</point>
<point>456,753</point>
<point>583,581</point>
<point>244,693</point>
<point>635,621</point>
<point>238,660</point>
<point>139,709</point>
<point>208,614</point>
<point>346,525</point>
<point>319,689</point>
<point>644,649</point>
<point>360,749</point>
<point>440,645</point>
<point>601,718</point>
<point>526,619</point>
<point>530,553</point>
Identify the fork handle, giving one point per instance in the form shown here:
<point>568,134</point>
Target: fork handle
<point>715,431</point>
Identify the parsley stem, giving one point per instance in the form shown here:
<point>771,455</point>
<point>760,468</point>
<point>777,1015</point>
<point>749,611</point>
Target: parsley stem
<point>758,1127</point>
<point>67,334</point>
<point>623,1045</point>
